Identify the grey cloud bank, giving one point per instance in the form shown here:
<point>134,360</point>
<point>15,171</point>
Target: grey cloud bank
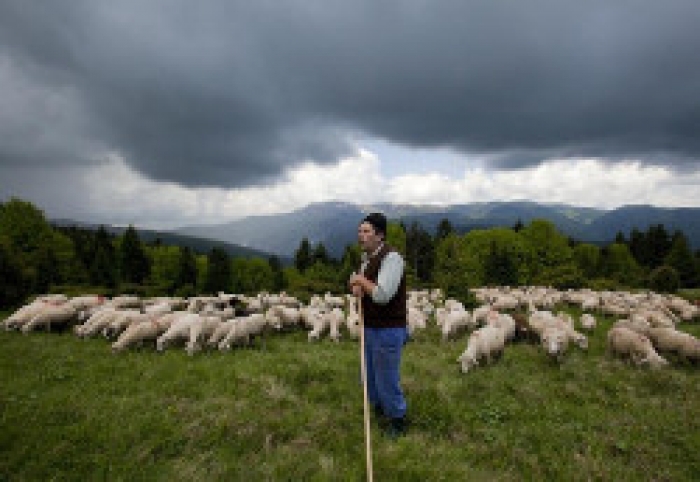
<point>232,94</point>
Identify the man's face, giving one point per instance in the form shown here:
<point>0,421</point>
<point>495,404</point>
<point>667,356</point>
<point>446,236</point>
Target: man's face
<point>368,238</point>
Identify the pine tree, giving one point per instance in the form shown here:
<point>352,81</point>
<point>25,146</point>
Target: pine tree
<point>186,269</point>
<point>103,268</point>
<point>13,286</point>
<point>444,229</point>
<point>638,246</point>
<point>133,263</point>
<point>302,258</point>
<point>680,258</point>
<point>218,271</point>
<point>320,254</point>
<point>499,267</point>
<point>658,245</point>
<point>278,281</point>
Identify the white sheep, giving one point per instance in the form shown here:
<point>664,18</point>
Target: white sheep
<point>97,322</point>
<point>635,346</point>
<point>588,322</point>
<point>51,315</point>
<point>319,322</point>
<point>25,314</point>
<point>201,331</point>
<point>352,323</point>
<point>416,319</point>
<point>336,318</point>
<point>122,320</point>
<point>637,325</point>
<point>480,313</point>
<point>144,331</point>
<point>454,322</point>
<point>671,340</point>
<point>504,322</point>
<point>555,340</point>
<point>243,330</point>
<point>178,330</point>
<point>221,332</point>
<point>486,343</point>
<point>283,317</point>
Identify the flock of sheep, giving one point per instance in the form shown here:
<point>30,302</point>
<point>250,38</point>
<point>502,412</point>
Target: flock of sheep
<point>645,330</point>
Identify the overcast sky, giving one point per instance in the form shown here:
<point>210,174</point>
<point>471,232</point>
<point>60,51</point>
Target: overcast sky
<point>173,112</point>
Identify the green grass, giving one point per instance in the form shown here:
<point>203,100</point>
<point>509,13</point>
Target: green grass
<point>70,410</point>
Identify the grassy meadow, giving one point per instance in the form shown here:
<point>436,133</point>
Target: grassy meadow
<point>292,410</point>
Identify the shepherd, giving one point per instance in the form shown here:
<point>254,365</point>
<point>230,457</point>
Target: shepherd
<point>381,287</point>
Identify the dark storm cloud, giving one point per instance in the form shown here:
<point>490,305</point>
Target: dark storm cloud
<point>232,93</point>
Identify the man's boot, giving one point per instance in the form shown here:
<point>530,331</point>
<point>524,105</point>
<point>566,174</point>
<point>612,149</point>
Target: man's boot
<point>397,427</point>
<point>380,416</point>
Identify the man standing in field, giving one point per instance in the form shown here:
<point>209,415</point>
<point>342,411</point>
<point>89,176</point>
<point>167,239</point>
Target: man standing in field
<point>382,286</point>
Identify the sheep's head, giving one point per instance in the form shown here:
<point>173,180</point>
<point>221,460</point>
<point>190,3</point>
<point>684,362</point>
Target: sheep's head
<point>581,341</point>
<point>655,360</point>
<point>554,342</point>
<point>467,361</point>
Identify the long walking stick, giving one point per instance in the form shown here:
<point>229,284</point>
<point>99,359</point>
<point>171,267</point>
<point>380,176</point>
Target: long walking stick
<point>363,367</point>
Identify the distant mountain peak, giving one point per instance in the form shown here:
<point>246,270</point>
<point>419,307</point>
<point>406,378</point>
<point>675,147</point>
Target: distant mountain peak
<point>334,223</point>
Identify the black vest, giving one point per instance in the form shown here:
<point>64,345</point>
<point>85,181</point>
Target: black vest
<point>391,314</point>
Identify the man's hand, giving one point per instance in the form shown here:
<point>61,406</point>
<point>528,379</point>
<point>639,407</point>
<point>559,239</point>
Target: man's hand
<point>356,283</point>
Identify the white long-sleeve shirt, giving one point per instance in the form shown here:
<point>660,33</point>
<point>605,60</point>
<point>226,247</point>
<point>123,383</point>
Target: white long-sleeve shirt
<point>389,277</point>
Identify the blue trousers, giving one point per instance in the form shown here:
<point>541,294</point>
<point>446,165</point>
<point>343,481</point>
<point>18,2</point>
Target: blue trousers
<point>383,348</point>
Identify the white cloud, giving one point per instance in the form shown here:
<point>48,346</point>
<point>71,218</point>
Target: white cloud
<point>113,189</point>
<point>582,182</point>
<point>111,192</point>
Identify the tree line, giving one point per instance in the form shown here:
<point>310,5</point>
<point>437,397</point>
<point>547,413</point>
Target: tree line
<point>36,257</point>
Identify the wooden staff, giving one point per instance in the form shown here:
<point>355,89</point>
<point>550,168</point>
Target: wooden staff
<point>363,367</point>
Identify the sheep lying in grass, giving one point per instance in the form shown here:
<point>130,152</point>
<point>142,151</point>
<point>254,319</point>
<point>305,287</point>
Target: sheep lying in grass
<point>139,333</point>
<point>52,315</point>
<point>485,344</point>
<point>671,340</point>
<point>629,344</point>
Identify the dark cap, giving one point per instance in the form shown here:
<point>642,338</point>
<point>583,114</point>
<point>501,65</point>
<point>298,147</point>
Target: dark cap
<point>378,222</point>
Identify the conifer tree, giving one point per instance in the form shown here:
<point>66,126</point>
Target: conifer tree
<point>302,256</point>
<point>218,271</point>
<point>133,263</point>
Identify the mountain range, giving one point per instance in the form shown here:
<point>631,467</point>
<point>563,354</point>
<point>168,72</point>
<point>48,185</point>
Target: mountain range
<point>335,223</point>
